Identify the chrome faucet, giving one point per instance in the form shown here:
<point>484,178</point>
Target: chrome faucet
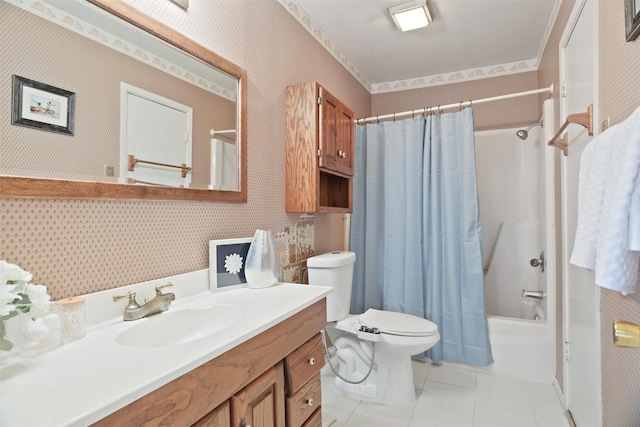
<point>532,294</point>
<point>158,304</point>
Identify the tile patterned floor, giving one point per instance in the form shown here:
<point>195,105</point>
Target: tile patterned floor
<point>451,396</point>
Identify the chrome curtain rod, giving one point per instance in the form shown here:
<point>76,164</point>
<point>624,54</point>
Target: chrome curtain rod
<point>461,104</point>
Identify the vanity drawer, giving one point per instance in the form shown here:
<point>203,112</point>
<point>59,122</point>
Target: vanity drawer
<point>303,403</point>
<point>303,363</point>
<point>315,420</point>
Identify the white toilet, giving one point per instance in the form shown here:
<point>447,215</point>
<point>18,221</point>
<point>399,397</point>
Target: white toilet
<point>396,336</point>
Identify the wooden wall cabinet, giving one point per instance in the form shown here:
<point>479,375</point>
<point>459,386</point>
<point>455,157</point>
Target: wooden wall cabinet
<point>246,385</point>
<point>320,144</point>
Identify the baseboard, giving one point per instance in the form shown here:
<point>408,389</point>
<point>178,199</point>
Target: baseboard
<point>559,392</point>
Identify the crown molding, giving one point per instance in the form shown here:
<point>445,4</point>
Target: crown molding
<point>426,81</point>
<point>307,23</point>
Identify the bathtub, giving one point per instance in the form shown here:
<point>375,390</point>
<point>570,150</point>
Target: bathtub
<point>522,348</point>
<point>521,335</point>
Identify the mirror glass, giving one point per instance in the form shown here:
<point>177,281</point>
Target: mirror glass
<point>153,116</point>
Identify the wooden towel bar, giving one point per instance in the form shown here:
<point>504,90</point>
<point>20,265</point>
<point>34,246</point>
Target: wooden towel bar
<point>584,119</point>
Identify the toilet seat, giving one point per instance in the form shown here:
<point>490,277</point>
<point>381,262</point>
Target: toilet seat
<point>389,322</point>
<point>393,323</point>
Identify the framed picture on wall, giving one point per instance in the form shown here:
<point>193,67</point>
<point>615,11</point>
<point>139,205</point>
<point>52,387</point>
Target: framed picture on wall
<point>41,106</point>
<point>632,19</point>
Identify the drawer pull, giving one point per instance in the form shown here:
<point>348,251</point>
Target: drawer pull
<point>310,402</point>
<point>312,361</point>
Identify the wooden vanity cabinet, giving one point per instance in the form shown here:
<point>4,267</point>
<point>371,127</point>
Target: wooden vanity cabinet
<point>219,417</point>
<point>302,373</point>
<point>242,387</point>
<point>320,145</point>
<point>261,403</point>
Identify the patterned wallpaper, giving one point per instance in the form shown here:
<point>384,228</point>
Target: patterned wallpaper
<point>619,96</point>
<point>80,246</point>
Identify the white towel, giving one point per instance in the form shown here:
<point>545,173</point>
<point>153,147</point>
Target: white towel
<point>634,219</point>
<point>590,193</point>
<point>606,219</point>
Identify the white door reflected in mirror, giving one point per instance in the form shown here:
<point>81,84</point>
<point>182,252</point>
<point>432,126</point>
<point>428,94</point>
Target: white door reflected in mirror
<point>156,131</point>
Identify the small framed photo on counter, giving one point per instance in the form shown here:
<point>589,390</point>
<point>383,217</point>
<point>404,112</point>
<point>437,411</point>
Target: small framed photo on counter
<point>226,262</point>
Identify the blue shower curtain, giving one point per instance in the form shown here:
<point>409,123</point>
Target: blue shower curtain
<point>415,229</point>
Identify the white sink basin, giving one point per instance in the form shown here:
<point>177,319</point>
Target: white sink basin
<point>180,326</point>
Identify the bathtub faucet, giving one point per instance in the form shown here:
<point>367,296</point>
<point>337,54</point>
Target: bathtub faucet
<point>532,294</point>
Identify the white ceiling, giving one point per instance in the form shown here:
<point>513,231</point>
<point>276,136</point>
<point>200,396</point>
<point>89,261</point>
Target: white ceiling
<point>464,35</point>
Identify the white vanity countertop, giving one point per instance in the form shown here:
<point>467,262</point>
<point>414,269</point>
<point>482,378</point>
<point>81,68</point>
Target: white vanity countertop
<point>88,379</point>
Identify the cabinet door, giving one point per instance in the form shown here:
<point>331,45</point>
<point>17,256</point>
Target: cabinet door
<point>219,417</point>
<point>328,138</point>
<point>346,138</point>
<point>261,403</point>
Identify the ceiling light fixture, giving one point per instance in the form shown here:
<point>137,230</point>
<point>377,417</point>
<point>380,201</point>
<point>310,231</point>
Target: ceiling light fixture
<point>410,16</point>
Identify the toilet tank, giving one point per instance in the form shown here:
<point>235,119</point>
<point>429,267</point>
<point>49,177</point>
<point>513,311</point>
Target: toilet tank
<point>334,269</point>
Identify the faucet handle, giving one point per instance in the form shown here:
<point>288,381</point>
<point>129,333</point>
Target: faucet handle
<point>159,288</point>
<point>132,299</point>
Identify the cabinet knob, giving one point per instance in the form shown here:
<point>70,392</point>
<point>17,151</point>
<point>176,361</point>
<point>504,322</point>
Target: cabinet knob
<point>340,153</point>
<point>310,402</point>
<point>312,361</point>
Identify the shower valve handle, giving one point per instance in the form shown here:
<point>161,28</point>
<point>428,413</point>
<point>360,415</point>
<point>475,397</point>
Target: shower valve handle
<point>538,262</point>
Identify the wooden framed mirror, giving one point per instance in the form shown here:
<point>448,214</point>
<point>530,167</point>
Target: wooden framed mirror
<point>25,181</point>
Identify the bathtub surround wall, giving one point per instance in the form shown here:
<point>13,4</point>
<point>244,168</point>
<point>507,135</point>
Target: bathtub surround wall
<point>508,183</point>
<point>79,246</point>
<point>509,273</point>
<point>511,187</point>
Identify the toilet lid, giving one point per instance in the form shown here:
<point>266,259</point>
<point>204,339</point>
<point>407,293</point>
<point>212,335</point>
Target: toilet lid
<point>393,323</point>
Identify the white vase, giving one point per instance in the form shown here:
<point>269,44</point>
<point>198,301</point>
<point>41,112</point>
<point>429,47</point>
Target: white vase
<point>262,267</point>
<point>41,334</point>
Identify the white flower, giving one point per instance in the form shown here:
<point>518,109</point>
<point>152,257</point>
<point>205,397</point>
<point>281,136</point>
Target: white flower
<point>233,263</point>
<point>13,273</point>
<point>39,299</point>
<point>17,295</point>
